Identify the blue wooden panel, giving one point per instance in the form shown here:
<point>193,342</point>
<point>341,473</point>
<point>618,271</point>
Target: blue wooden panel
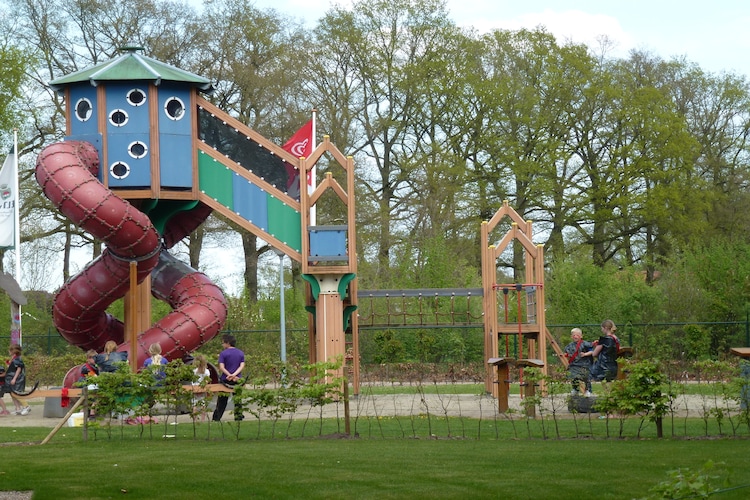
<point>138,171</point>
<point>137,115</point>
<point>328,242</point>
<point>172,119</point>
<point>84,123</point>
<point>176,161</point>
<point>175,135</point>
<point>250,201</point>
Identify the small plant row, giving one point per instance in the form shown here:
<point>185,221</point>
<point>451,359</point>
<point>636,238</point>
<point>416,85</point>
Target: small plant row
<point>121,397</point>
<point>290,401</point>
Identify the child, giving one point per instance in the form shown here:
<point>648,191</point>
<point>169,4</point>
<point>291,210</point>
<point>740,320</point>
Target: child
<point>89,371</point>
<point>89,368</point>
<point>110,359</point>
<point>15,381</point>
<point>605,351</point>
<point>579,362</point>
<point>156,361</point>
<point>201,373</point>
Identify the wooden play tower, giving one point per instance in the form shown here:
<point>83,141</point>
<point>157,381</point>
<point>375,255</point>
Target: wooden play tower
<point>146,159</point>
<point>519,336</point>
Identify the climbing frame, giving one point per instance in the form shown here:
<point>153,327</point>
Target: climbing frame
<point>527,327</point>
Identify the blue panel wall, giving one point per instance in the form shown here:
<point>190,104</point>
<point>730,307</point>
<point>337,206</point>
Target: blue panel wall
<point>175,129</point>
<point>83,123</point>
<point>125,170</point>
<point>250,202</point>
<point>128,148</point>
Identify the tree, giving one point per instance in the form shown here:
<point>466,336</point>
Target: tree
<point>15,62</point>
<point>717,112</point>
<point>390,52</point>
<point>529,84</point>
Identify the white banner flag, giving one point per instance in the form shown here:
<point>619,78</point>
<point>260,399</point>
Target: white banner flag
<point>8,197</point>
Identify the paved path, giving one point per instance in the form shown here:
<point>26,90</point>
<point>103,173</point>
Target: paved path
<point>455,405</point>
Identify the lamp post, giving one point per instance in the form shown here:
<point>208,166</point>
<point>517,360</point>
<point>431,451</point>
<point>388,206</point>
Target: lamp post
<point>282,315</point>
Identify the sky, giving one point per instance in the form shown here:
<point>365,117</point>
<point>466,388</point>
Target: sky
<point>713,34</point>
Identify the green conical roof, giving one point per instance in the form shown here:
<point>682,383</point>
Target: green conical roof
<point>132,66</point>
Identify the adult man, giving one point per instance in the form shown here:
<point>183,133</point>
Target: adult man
<point>231,364</point>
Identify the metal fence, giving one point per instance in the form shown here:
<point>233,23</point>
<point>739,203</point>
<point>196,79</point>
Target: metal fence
<point>465,342</point>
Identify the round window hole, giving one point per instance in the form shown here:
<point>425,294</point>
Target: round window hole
<point>119,170</point>
<point>175,108</point>
<point>136,97</point>
<point>84,109</point>
<point>118,118</point>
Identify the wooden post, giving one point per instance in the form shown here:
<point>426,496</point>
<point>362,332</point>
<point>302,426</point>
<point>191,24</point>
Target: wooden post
<point>131,327</point>
<point>502,368</point>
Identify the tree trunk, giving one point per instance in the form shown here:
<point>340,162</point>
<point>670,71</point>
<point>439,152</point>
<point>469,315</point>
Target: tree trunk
<point>249,244</point>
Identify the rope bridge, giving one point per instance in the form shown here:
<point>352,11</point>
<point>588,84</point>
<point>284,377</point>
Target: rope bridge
<point>429,307</point>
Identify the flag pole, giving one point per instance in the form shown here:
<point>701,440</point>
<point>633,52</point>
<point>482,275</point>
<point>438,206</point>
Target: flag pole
<point>17,234</point>
<point>314,170</point>
<point>17,218</point>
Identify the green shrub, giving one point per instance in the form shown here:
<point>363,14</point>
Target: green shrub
<point>50,370</point>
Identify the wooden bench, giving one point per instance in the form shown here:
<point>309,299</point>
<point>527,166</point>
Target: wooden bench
<point>77,392</point>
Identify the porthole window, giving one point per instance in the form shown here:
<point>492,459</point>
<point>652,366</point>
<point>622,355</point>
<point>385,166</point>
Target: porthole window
<point>174,108</point>
<point>136,97</point>
<point>119,170</point>
<point>137,149</point>
<point>118,118</point>
<point>84,109</point>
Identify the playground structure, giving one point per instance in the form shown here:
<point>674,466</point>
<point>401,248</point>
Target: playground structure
<point>530,333</point>
<point>515,331</point>
<point>145,161</point>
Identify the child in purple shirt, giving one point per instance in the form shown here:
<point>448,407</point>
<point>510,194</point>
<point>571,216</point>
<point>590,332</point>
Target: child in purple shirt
<point>231,364</point>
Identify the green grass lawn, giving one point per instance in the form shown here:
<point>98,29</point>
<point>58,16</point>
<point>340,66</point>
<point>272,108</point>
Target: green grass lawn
<point>129,464</point>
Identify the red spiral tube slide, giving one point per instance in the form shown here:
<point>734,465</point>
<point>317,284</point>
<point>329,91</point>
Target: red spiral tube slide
<point>67,174</point>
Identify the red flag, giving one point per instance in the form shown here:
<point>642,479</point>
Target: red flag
<point>299,145</point>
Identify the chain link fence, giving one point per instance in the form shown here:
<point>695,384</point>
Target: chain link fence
<point>464,343</point>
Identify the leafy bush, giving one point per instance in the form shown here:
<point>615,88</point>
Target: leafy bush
<point>51,370</point>
<point>686,483</point>
<point>644,392</point>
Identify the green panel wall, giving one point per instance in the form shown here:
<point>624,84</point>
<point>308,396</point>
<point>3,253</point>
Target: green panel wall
<point>215,180</point>
<point>284,223</point>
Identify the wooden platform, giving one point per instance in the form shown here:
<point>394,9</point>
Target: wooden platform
<point>743,352</point>
<point>76,392</point>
